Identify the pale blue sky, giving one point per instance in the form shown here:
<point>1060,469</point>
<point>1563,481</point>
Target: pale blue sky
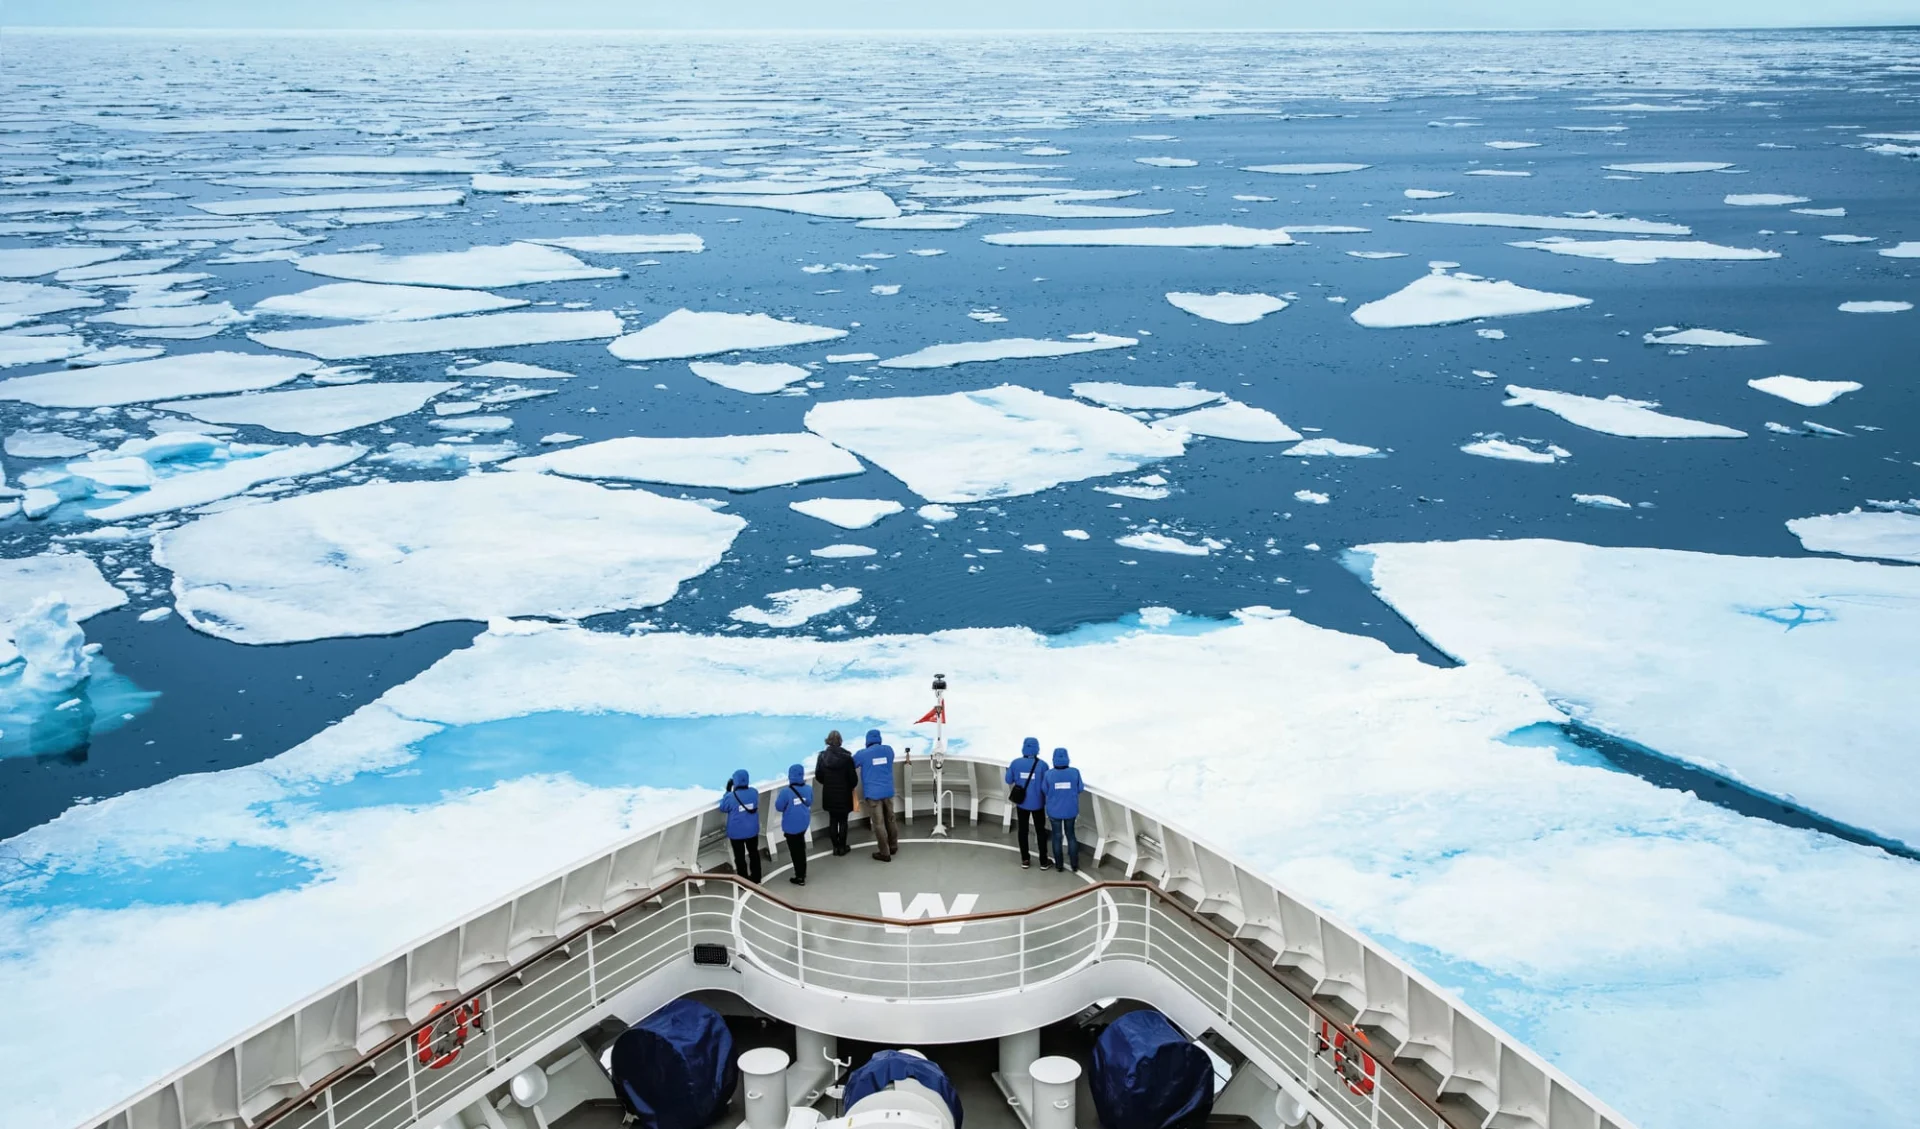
<point>959,14</point>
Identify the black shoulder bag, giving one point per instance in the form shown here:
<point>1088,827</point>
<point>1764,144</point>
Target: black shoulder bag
<point>1018,793</point>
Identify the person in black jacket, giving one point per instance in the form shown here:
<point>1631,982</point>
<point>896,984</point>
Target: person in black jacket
<point>835,777</point>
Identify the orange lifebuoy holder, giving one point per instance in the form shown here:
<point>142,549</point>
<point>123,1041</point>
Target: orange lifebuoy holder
<point>439,1042</point>
<point>1351,1061</point>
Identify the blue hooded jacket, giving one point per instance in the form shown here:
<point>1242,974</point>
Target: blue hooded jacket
<point>1063,788</point>
<point>876,768</point>
<point>1029,761</point>
<point>795,802</point>
<point>742,805</point>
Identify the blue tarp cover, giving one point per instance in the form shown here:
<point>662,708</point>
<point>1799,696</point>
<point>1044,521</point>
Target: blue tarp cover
<point>888,1067</point>
<point>1146,1075</point>
<point>675,1068</point>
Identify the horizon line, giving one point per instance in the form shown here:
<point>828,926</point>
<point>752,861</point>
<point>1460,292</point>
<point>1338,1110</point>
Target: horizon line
<point>103,29</point>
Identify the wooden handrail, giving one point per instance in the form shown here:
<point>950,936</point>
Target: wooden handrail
<point>286,1107</point>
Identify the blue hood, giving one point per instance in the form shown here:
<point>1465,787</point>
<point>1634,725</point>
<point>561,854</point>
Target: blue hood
<point>873,736</point>
<point>796,774</point>
<point>1030,747</point>
<point>1060,758</point>
<point>740,778</point>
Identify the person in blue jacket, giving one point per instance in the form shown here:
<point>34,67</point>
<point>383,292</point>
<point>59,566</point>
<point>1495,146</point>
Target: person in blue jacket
<point>741,805</point>
<point>1063,807</point>
<point>795,805</point>
<point>876,787</point>
<point>1027,791</point>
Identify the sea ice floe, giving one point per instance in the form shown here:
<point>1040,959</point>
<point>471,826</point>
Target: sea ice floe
<point>373,164</point>
<point>24,301</point>
<point>1228,308</point>
<point>1425,194</point>
<point>372,301</point>
<point>441,335</point>
<point>1616,224</point>
<point>996,443</point>
<point>334,201</point>
<point>1048,207</point>
<point>476,268</point>
<point>198,487</point>
<point>920,221</point>
<point>315,411</point>
<point>1153,542</point>
<point>1511,144</point>
<point>626,244</point>
<point>685,333</point>
<point>864,204</point>
<point>73,577</point>
<point>1875,307</point>
<point>1788,675</point>
<point>1444,299</point>
<point>1617,415</point>
<point>1762,200</point>
<point>1602,501</point>
<point>38,348</point>
<point>1327,447</point>
<point>1233,420</point>
<point>1891,536</point>
<point>726,462</point>
<point>1324,169</point>
<point>1807,393</point>
<point>390,556</point>
<point>1706,338</point>
<point>847,513</point>
<point>495,182</point>
<point>1670,166</point>
<point>843,551</point>
<point>1902,251</point>
<point>1166,162</point>
<point>1312,497</point>
<point>1523,451</point>
<point>164,378</point>
<point>1004,349</point>
<point>796,606</point>
<point>508,370</point>
<point>1143,397</point>
<point>1210,235</point>
<point>1643,251</point>
<point>24,444</point>
<point>749,376</point>
<point>32,262</point>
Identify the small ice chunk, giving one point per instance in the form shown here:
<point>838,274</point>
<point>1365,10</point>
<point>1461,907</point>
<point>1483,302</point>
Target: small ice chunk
<point>749,376</point>
<point>1166,162</point>
<point>197,488</point>
<point>1823,213</point>
<point>1511,144</point>
<point>32,262</point>
<point>508,370</point>
<point>476,268</point>
<point>1875,307</point>
<point>1666,167</point>
<point>1762,200</point>
<point>1617,415</point>
<point>1006,348</point>
<point>851,358</point>
<point>1494,447</point>
<point>495,182</point>
<point>333,202</point>
<point>1378,254</point>
<point>1327,447</point>
<point>834,552</point>
<point>315,411</point>
<point>1311,497</point>
<point>995,443</point>
<point>919,221</point>
<point>77,580</point>
<point>860,204</point>
<point>154,615</point>
<point>1075,534</point>
<point>1602,501</point>
<point>372,301</point>
<point>1425,194</point>
<point>46,445</point>
<point>1143,397</point>
<point>1226,307</point>
<point>1643,251</point>
<point>1887,536</point>
<point>796,606</point>
<point>1706,338</point>
<point>1613,224</point>
<point>847,513</point>
<point>1839,239</point>
<point>1443,299</point>
<point>164,378</point>
<point>1324,169</point>
<point>33,349</point>
<point>441,335</point>
<point>1806,393</point>
<point>626,244</point>
<point>387,557</point>
<point>1902,251</point>
<point>935,512</point>
<point>727,462</point>
<point>684,333</point>
<point>1153,542</point>
<point>1233,420</point>
<point>1209,235</point>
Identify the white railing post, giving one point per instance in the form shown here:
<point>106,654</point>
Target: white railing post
<point>493,1037</point>
<point>1022,920</point>
<point>909,963</point>
<point>413,1093</point>
<point>800,948</point>
<point>593,971</point>
<point>326,1097</point>
<point>1229,1011</point>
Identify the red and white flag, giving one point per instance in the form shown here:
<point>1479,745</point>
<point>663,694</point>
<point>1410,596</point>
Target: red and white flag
<point>937,713</point>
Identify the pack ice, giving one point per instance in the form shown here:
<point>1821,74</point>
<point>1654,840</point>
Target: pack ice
<point>316,411</point>
<point>164,378</point>
<point>1788,675</point>
<point>1643,251</point>
<point>1888,536</point>
<point>1006,348</point>
<point>476,268</point>
<point>372,301</point>
<point>390,556</point>
<point>996,443</point>
<point>685,333</point>
<point>1227,308</point>
<point>725,462</point>
<point>1440,298</point>
<point>1617,415</point>
<point>441,335</point>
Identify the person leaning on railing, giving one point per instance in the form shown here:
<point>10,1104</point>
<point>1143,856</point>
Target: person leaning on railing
<point>795,805</point>
<point>742,807</point>
<point>876,787</point>
<point>1027,792</point>
<point>1063,807</point>
<point>836,777</point>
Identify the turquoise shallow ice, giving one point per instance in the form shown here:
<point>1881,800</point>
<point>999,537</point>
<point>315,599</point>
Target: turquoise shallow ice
<point>494,441</point>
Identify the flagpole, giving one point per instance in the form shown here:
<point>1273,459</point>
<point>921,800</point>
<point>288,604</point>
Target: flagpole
<point>939,752</point>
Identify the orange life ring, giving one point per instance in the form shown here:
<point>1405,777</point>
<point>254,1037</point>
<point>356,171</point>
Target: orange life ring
<point>439,1043</point>
<point>1358,1075</point>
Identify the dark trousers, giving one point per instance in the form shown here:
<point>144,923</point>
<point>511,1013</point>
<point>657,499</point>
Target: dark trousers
<point>886,840</point>
<point>837,831</point>
<point>797,853</point>
<point>1066,854</point>
<point>746,858</point>
<point>1021,817</point>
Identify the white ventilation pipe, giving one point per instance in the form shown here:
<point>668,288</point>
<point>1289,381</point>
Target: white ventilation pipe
<point>1054,1081</point>
<point>764,1071</point>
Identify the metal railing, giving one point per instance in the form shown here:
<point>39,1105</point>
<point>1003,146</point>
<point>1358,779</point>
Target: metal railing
<point>973,955</point>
